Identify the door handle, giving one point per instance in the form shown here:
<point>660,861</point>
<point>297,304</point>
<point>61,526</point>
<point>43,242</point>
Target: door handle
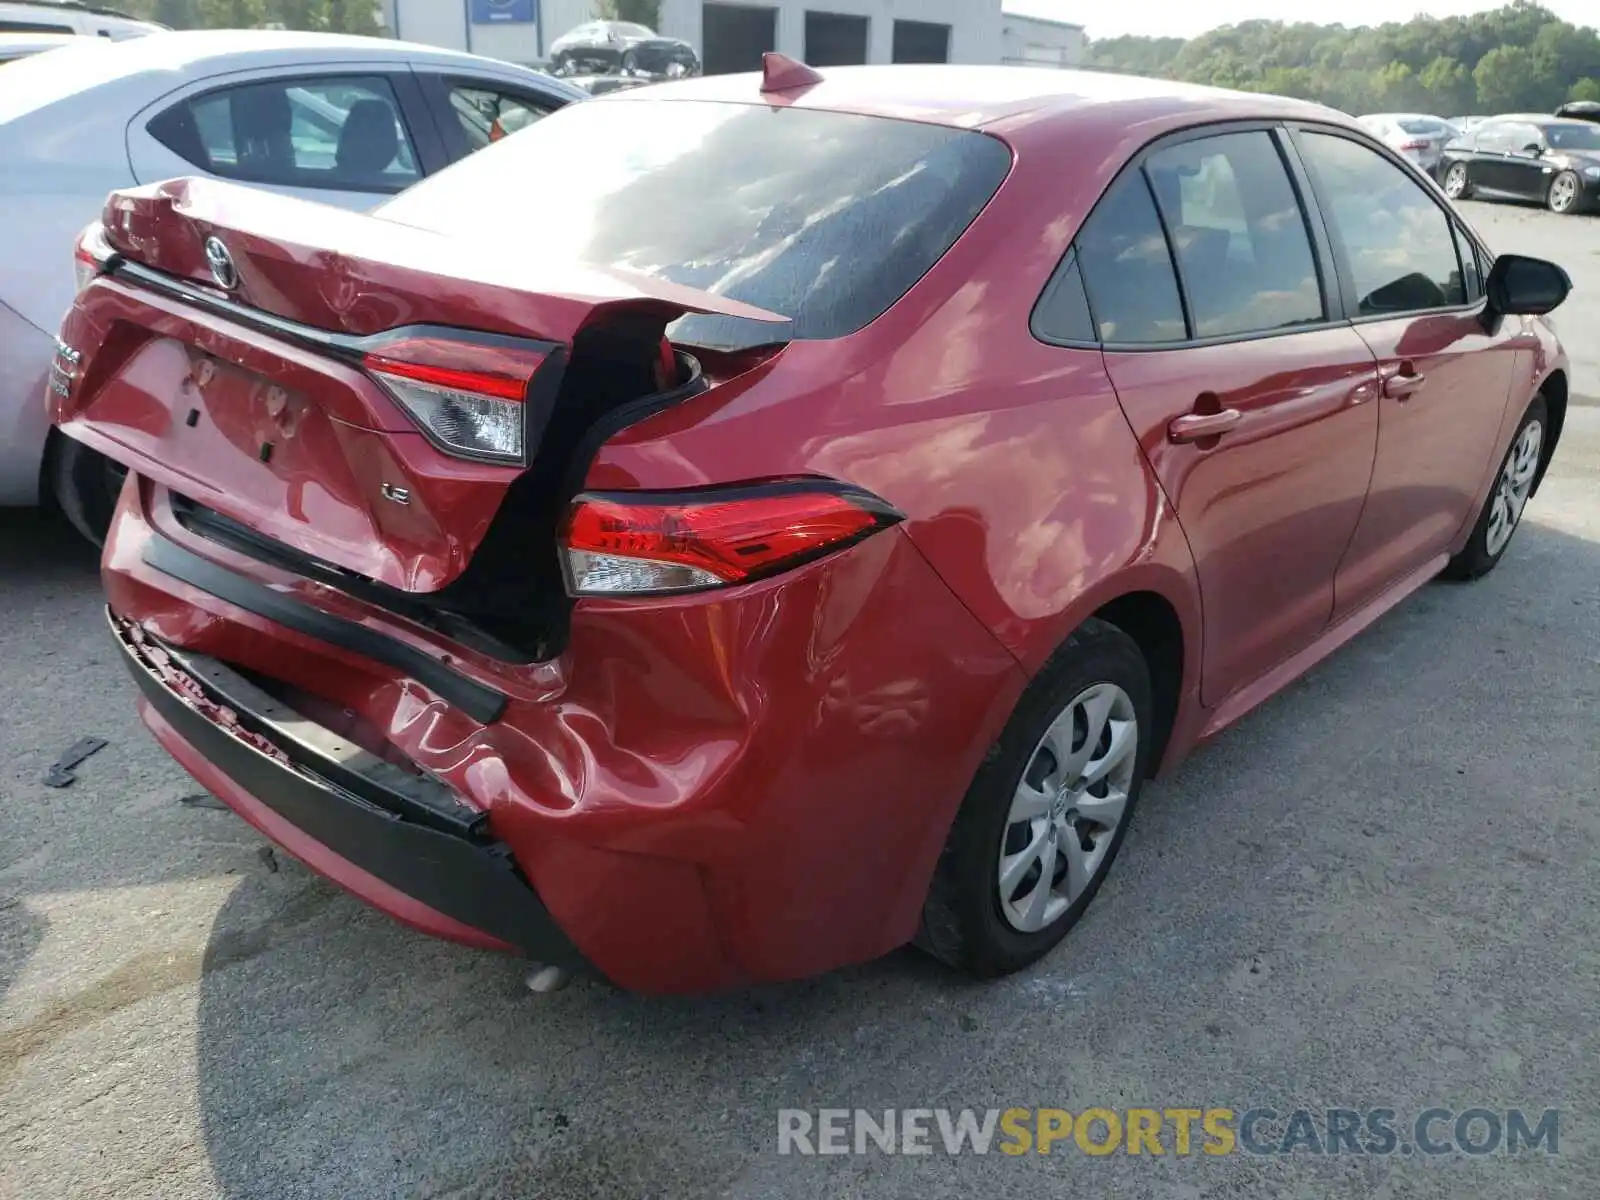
<point>1402,382</point>
<point>1196,427</point>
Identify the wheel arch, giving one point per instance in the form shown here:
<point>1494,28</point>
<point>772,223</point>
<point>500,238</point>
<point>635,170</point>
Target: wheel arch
<point>1556,392</point>
<point>1152,621</point>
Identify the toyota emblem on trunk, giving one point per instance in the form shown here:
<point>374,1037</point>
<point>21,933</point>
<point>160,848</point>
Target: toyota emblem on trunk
<point>221,264</point>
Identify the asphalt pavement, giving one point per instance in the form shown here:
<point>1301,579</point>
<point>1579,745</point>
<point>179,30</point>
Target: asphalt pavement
<point>1378,891</point>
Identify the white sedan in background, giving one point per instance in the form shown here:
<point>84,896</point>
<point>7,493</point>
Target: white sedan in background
<point>1416,135</point>
<point>345,120</point>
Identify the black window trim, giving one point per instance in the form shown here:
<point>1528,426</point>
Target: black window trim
<point>1311,215</point>
<point>1430,190</point>
<point>397,79</point>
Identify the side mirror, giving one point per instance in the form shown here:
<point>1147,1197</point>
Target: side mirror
<point>1533,150</point>
<point>1521,286</point>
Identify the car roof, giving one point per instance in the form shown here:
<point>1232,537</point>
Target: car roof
<point>975,97</point>
<point>241,49</point>
<point>174,58</point>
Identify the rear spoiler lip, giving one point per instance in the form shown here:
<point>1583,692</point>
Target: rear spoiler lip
<point>348,347</point>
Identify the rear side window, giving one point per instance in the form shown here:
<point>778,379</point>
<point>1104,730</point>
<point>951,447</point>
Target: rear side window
<point>339,133</point>
<point>1127,268</point>
<point>487,115</point>
<point>1239,234</point>
<point>1400,244</point>
<point>33,27</point>
<point>1063,311</point>
<point>825,218</point>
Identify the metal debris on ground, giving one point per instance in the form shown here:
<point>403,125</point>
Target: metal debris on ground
<point>60,773</point>
<point>202,800</point>
<point>269,858</point>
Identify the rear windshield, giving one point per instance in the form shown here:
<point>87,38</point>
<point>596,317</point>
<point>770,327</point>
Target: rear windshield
<point>1422,126</point>
<point>825,218</point>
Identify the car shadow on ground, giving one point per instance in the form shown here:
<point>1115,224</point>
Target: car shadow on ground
<point>1277,886</point>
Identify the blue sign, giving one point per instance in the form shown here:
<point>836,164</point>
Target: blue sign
<point>502,12</point>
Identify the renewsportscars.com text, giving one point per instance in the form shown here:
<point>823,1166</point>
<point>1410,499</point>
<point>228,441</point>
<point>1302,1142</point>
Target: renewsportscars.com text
<point>1179,1132</point>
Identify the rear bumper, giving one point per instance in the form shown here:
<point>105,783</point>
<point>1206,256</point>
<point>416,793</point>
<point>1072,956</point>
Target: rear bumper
<point>700,792</point>
<point>372,820</point>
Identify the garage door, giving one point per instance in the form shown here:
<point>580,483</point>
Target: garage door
<point>735,36</point>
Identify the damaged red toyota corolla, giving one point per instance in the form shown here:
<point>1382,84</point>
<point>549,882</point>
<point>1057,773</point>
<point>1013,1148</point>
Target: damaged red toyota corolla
<point>728,530</point>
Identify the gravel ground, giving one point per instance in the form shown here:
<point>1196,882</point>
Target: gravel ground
<point>1378,891</point>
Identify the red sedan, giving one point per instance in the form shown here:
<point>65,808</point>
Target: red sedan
<point>735,528</point>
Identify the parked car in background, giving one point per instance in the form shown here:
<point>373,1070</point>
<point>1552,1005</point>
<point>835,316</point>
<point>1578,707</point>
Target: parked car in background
<point>1582,110</point>
<point>347,121</point>
<point>14,46</point>
<point>601,48</point>
<point>738,527</point>
<point>1416,135</point>
<point>67,17</point>
<point>1526,157</point>
<point>1464,124</point>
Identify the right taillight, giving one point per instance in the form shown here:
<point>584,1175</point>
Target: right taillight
<point>654,543</point>
<point>92,254</point>
<point>467,393</point>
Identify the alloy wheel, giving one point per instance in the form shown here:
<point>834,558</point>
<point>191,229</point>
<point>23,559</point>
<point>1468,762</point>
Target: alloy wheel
<point>1563,193</point>
<point>1455,181</point>
<point>1511,493</point>
<point>1066,810</point>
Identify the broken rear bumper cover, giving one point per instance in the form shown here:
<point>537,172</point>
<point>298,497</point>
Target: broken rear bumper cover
<point>407,831</point>
<point>701,792</point>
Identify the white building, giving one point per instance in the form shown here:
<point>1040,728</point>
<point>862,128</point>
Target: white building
<point>1038,42</point>
<point>731,35</point>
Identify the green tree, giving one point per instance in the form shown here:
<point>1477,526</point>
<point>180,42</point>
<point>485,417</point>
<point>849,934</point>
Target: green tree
<point>1448,86</point>
<point>1504,76</point>
<point>1518,56</point>
<point>1585,89</point>
<point>641,12</point>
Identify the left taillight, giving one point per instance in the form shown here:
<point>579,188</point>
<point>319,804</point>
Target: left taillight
<point>656,543</point>
<point>466,392</point>
<point>92,254</point>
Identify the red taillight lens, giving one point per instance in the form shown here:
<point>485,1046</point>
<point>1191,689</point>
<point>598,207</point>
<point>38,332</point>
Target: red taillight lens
<point>465,392</point>
<point>91,254</point>
<point>1416,144</point>
<point>644,543</point>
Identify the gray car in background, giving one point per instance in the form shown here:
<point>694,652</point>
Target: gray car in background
<point>1416,135</point>
<point>345,120</point>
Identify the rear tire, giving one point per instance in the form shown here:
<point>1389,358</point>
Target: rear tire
<point>1508,498</point>
<point>1065,843</point>
<point>85,486</point>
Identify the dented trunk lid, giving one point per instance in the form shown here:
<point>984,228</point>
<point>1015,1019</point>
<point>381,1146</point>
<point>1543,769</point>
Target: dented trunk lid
<point>240,378</point>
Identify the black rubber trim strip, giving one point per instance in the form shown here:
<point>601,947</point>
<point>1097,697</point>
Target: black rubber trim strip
<point>480,702</point>
<point>473,881</point>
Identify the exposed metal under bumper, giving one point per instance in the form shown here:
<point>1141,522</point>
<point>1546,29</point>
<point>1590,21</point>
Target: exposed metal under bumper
<point>406,830</point>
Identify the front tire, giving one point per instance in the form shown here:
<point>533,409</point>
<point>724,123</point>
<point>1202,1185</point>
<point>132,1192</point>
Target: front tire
<point>1502,511</point>
<point>1566,193</point>
<point>1456,184</point>
<point>1048,810</point>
